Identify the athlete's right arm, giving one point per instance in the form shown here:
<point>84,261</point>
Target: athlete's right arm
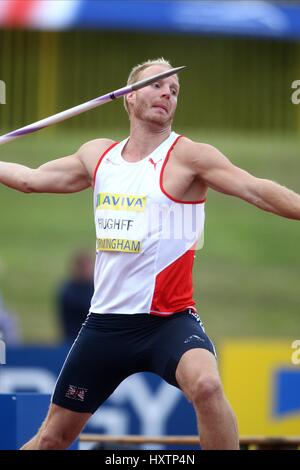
<point>64,175</point>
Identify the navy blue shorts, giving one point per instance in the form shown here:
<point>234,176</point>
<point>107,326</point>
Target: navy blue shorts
<point>110,347</point>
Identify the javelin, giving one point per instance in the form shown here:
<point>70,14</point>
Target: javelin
<point>62,116</point>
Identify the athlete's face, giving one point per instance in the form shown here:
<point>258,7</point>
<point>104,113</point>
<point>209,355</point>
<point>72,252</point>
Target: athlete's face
<point>155,103</point>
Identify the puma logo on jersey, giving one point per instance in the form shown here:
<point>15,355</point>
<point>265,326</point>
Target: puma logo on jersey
<point>154,163</point>
<point>109,161</point>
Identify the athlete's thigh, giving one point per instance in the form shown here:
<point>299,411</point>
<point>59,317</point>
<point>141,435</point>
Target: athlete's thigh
<point>94,367</point>
<point>177,335</point>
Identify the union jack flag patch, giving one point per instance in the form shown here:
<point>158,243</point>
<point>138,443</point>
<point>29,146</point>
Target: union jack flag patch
<point>76,393</point>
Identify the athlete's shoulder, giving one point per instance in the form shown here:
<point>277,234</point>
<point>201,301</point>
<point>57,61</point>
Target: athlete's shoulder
<point>187,149</point>
<point>94,147</point>
<point>198,156</point>
<point>90,152</point>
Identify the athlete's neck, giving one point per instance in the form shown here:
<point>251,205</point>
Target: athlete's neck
<point>143,141</point>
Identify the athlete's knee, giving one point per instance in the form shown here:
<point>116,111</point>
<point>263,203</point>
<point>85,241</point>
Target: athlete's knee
<point>49,440</point>
<point>206,388</point>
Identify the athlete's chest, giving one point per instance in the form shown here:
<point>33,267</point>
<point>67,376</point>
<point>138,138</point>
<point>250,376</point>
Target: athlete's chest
<point>129,205</point>
<point>128,179</point>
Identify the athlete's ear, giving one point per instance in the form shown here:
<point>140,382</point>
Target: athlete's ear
<point>131,97</point>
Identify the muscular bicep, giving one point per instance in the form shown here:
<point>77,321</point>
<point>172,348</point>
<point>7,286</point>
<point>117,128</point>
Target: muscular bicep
<point>64,175</point>
<point>220,174</point>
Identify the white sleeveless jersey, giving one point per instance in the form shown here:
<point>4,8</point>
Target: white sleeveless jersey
<point>145,238</point>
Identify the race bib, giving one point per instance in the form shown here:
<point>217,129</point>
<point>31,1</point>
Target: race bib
<point>120,220</point>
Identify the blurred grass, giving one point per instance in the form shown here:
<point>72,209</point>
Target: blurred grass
<point>247,277</point>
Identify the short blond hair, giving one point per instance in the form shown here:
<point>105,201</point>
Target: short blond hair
<point>137,69</point>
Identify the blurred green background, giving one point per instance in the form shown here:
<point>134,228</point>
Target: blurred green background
<point>236,95</point>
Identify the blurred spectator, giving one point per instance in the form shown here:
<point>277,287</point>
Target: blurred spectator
<point>9,327</point>
<point>74,296</point>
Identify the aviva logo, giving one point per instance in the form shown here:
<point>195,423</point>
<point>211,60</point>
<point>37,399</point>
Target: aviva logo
<point>121,202</point>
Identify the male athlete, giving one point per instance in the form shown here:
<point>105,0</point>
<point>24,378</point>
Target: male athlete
<point>142,315</point>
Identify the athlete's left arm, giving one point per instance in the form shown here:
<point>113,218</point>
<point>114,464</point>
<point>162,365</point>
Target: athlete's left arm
<point>218,173</point>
